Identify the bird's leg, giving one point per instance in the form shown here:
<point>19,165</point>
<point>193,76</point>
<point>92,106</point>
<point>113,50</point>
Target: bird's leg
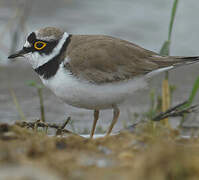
<point>96,117</point>
<point>116,113</point>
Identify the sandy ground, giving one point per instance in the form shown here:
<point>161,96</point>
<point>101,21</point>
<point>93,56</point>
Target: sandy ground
<point>152,153</point>
<point>124,19</point>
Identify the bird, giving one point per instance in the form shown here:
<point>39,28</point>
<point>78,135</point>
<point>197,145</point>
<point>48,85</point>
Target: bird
<point>93,72</point>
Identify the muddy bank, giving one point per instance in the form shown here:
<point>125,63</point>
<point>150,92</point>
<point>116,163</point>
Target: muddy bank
<point>152,153</point>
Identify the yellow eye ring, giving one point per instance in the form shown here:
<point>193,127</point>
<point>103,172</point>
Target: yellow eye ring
<point>39,45</point>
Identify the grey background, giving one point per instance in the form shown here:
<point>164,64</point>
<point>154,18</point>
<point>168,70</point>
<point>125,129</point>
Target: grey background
<point>140,21</point>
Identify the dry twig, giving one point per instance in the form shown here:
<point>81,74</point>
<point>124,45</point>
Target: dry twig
<point>176,111</point>
<point>34,125</point>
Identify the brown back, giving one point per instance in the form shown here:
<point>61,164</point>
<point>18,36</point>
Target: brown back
<point>102,59</point>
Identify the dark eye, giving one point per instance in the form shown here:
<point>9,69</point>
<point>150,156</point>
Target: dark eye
<point>39,45</point>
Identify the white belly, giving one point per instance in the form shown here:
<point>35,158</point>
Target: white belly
<point>83,94</point>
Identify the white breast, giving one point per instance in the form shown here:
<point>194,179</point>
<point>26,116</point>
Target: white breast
<point>83,94</point>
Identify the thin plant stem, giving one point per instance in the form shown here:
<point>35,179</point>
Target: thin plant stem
<point>173,14</point>
<point>40,93</point>
<point>165,50</point>
<point>17,105</point>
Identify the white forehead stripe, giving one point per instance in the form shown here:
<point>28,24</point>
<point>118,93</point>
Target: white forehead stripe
<point>27,44</point>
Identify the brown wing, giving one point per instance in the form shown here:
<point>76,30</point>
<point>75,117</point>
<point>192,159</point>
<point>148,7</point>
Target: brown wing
<point>103,59</point>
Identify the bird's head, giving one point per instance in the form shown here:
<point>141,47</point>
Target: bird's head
<point>42,45</point>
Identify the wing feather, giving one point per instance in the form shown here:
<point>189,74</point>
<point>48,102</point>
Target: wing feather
<point>104,59</point>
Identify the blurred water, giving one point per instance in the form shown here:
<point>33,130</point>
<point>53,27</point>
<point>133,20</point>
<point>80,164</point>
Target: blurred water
<point>140,21</point>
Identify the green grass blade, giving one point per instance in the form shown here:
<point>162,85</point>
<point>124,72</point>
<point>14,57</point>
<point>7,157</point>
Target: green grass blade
<point>166,46</point>
<point>165,49</point>
<point>193,92</point>
<point>173,13</point>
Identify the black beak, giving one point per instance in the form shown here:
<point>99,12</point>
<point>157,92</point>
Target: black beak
<point>17,54</point>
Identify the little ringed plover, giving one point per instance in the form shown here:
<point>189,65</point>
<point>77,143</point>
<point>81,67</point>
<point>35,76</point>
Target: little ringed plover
<point>93,71</point>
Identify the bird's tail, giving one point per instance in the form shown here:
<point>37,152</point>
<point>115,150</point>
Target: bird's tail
<point>180,60</point>
<point>170,62</point>
<point>176,61</point>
